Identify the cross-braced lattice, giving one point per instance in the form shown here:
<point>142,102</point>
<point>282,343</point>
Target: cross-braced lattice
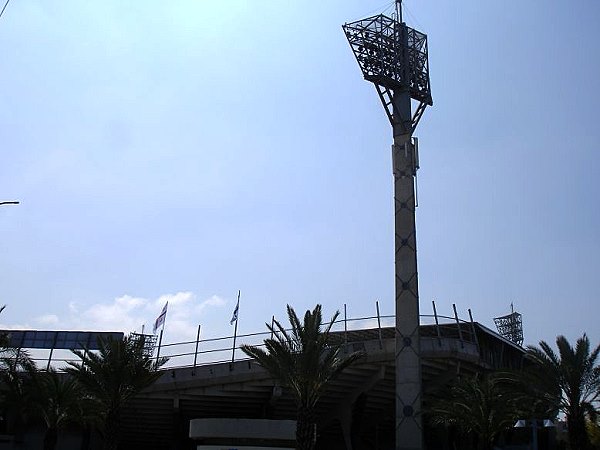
<point>393,56</point>
<point>511,327</point>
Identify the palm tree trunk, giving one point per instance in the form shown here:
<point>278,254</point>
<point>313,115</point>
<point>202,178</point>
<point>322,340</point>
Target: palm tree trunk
<point>305,429</point>
<point>86,437</point>
<point>578,437</point>
<point>112,428</point>
<point>50,438</point>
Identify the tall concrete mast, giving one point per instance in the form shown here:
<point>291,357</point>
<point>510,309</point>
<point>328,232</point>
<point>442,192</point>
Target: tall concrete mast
<point>394,58</point>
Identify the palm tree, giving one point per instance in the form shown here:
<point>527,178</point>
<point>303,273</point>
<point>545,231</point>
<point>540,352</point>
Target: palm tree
<point>12,358</point>
<point>478,407</point>
<point>571,381</point>
<point>304,359</point>
<point>593,429</point>
<point>58,400</point>
<point>118,371</point>
<point>17,372</point>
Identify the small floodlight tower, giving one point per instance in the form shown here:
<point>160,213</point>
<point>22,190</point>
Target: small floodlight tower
<point>394,58</point>
<point>511,326</point>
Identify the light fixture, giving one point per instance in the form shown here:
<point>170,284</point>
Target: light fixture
<point>548,423</point>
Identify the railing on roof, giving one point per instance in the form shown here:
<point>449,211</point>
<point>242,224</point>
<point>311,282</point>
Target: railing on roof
<point>346,330</point>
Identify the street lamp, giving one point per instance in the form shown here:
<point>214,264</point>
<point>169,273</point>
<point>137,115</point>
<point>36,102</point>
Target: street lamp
<point>9,203</point>
<point>522,423</point>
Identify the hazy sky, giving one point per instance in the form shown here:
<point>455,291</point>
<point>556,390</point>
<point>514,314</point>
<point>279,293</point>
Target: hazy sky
<point>184,150</point>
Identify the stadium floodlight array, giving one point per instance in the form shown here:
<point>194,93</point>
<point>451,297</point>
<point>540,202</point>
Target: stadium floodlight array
<point>511,327</point>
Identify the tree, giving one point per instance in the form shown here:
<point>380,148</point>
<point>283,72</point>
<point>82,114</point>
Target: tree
<point>11,358</point>
<point>593,430</point>
<point>571,381</point>
<point>17,370</point>
<point>57,399</point>
<point>304,359</point>
<point>109,378</point>
<point>478,407</point>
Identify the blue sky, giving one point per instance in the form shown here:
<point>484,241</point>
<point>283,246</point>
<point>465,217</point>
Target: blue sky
<point>184,150</point>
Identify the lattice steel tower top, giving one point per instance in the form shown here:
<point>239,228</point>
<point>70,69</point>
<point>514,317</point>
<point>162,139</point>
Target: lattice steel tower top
<point>394,58</point>
<point>511,326</point>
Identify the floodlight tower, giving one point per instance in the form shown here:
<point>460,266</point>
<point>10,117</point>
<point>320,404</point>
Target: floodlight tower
<point>394,58</point>
<point>511,326</point>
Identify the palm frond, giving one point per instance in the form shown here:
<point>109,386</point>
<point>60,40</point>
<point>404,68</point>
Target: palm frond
<point>574,377</point>
<point>109,377</point>
<point>304,359</point>
<point>480,407</point>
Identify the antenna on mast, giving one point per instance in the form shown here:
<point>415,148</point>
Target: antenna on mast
<point>399,10</point>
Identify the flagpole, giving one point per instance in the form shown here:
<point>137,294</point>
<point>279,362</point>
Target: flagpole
<point>165,319</point>
<point>161,319</point>
<point>237,308</point>
<point>197,342</point>
<point>159,344</point>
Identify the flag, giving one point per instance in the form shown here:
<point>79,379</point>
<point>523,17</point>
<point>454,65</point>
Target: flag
<point>234,317</point>
<point>161,318</point>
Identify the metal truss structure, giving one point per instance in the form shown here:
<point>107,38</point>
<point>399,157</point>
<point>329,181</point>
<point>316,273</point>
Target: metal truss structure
<point>511,327</point>
<point>392,56</point>
<point>148,342</point>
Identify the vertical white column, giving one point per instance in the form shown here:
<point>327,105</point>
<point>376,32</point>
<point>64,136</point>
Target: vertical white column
<point>409,433</point>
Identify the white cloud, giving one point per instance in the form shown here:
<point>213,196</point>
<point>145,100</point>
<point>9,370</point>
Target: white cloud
<point>127,313</point>
<point>16,326</point>
<point>47,319</point>
<point>73,308</point>
<point>184,314</point>
<point>212,301</point>
<point>181,298</point>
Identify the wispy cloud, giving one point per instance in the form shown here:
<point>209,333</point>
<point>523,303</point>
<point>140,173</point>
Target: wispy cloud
<point>185,313</point>
<point>124,313</point>
<point>47,319</point>
<point>128,313</point>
